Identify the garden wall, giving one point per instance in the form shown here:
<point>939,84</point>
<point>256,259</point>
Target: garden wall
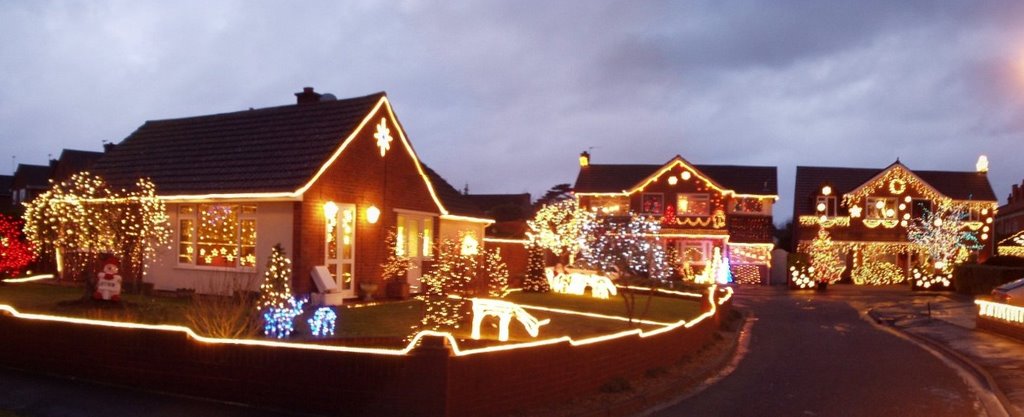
<point>1000,326</point>
<point>429,381</point>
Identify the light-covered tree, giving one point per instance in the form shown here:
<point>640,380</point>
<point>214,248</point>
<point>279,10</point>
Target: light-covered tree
<point>943,235</point>
<point>560,228</point>
<point>633,248</point>
<point>83,217</point>
<point>276,290</point>
<point>496,273</point>
<point>536,280</point>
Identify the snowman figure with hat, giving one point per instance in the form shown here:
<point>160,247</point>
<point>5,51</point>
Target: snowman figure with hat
<point>108,283</point>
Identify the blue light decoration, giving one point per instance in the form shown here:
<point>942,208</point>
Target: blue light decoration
<point>322,322</point>
<point>279,321</point>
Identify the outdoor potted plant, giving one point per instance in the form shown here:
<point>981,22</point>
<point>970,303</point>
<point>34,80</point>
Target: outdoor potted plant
<point>395,268</point>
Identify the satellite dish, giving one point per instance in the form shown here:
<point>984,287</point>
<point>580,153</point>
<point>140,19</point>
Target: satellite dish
<point>328,97</point>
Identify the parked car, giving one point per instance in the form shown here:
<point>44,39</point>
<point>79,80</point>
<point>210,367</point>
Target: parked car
<point>1010,293</point>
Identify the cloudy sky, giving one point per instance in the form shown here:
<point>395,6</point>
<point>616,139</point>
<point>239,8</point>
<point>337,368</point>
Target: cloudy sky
<point>504,95</point>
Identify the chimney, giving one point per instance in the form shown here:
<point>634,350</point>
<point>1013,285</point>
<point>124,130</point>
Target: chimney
<point>1015,194</point>
<point>108,146</point>
<point>584,159</point>
<point>307,96</point>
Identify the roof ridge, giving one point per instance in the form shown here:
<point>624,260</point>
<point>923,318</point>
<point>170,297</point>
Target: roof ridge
<point>348,100</point>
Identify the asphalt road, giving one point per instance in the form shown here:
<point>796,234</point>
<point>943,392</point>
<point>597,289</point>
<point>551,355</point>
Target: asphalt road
<point>812,355</point>
<point>32,395</point>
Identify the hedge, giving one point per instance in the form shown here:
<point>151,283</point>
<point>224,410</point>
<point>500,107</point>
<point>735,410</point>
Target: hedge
<point>973,279</point>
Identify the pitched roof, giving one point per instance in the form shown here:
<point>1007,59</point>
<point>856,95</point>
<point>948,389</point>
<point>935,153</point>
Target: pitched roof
<point>452,199</point>
<point>490,201</point>
<point>957,185</point>
<point>276,149</point>
<point>31,176</point>
<point>611,178</point>
<point>73,161</point>
<point>5,184</point>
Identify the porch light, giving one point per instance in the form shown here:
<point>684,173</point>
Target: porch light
<point>826,190</point>
<point>330,211</point>
<point>372,214</point>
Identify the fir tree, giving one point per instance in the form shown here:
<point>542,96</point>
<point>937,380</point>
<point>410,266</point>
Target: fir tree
<point>275,291</point>
<point>536,280</point>
<point>496,272</point>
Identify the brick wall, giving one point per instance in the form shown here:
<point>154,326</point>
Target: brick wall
<point>362,177</point>
<point>426,382</point>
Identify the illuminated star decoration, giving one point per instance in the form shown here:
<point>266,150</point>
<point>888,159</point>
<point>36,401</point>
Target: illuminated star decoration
<point>855,211</point>
<point>383,137</point>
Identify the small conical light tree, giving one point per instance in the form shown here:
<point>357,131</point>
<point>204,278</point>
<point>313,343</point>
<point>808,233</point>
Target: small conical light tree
<point>496,272</point>
<point>825,263</point>
<point>536,280</point>
<point>276,290</point>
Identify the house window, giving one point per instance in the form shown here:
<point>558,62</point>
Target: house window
<point>919,208</point>
<point>652,203</point>
<point>828,203</point>
<point>881,208</point>
<point>610,206</point>
<point>747,205</point>
<point>693,205</point>
<point>694,251</point>
<point>217,235</point>
<point>975,214</point>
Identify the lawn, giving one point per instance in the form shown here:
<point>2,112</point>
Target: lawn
<point>62,300</point>
<point>380,324</point>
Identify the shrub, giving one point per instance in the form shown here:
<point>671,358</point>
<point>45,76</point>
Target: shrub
<point>981,279</point>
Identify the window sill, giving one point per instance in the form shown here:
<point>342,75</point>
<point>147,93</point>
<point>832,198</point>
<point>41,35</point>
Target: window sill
<point>251,270</point>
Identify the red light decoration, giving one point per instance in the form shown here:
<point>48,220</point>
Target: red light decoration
<point>15,253</point>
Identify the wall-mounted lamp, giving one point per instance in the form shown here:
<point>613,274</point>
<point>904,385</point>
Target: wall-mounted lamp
<point>330,211</point>
<point>372,214</point>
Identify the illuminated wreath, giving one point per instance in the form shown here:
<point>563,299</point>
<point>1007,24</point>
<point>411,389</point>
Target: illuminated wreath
<point>897,186</point>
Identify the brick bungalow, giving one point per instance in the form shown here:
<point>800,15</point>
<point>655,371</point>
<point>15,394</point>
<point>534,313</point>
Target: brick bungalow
<point>867,210</point>
<point>701,207</point>
<point>327,179</point>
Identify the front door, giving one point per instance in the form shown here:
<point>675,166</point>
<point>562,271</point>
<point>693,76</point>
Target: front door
<point>340,249</point>
<point>415,239</point>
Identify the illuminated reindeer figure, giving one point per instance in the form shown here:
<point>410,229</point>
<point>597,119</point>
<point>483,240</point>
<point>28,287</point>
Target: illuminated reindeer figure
<point>504,311</point>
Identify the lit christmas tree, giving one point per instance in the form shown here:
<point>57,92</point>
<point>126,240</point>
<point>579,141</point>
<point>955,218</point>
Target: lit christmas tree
<point>15,253</point>
<point>718,271</point>
<point>826,267</point>
<point>276,292</point>
<point>536,280</point>
<point>452,274</point>
<point>496,272</point>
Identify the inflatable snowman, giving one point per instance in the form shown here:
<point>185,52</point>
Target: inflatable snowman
<point>108,283</point>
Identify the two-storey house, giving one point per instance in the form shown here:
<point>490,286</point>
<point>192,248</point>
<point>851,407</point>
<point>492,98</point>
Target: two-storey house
<point>867,213</point>
<point>703,209</point>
